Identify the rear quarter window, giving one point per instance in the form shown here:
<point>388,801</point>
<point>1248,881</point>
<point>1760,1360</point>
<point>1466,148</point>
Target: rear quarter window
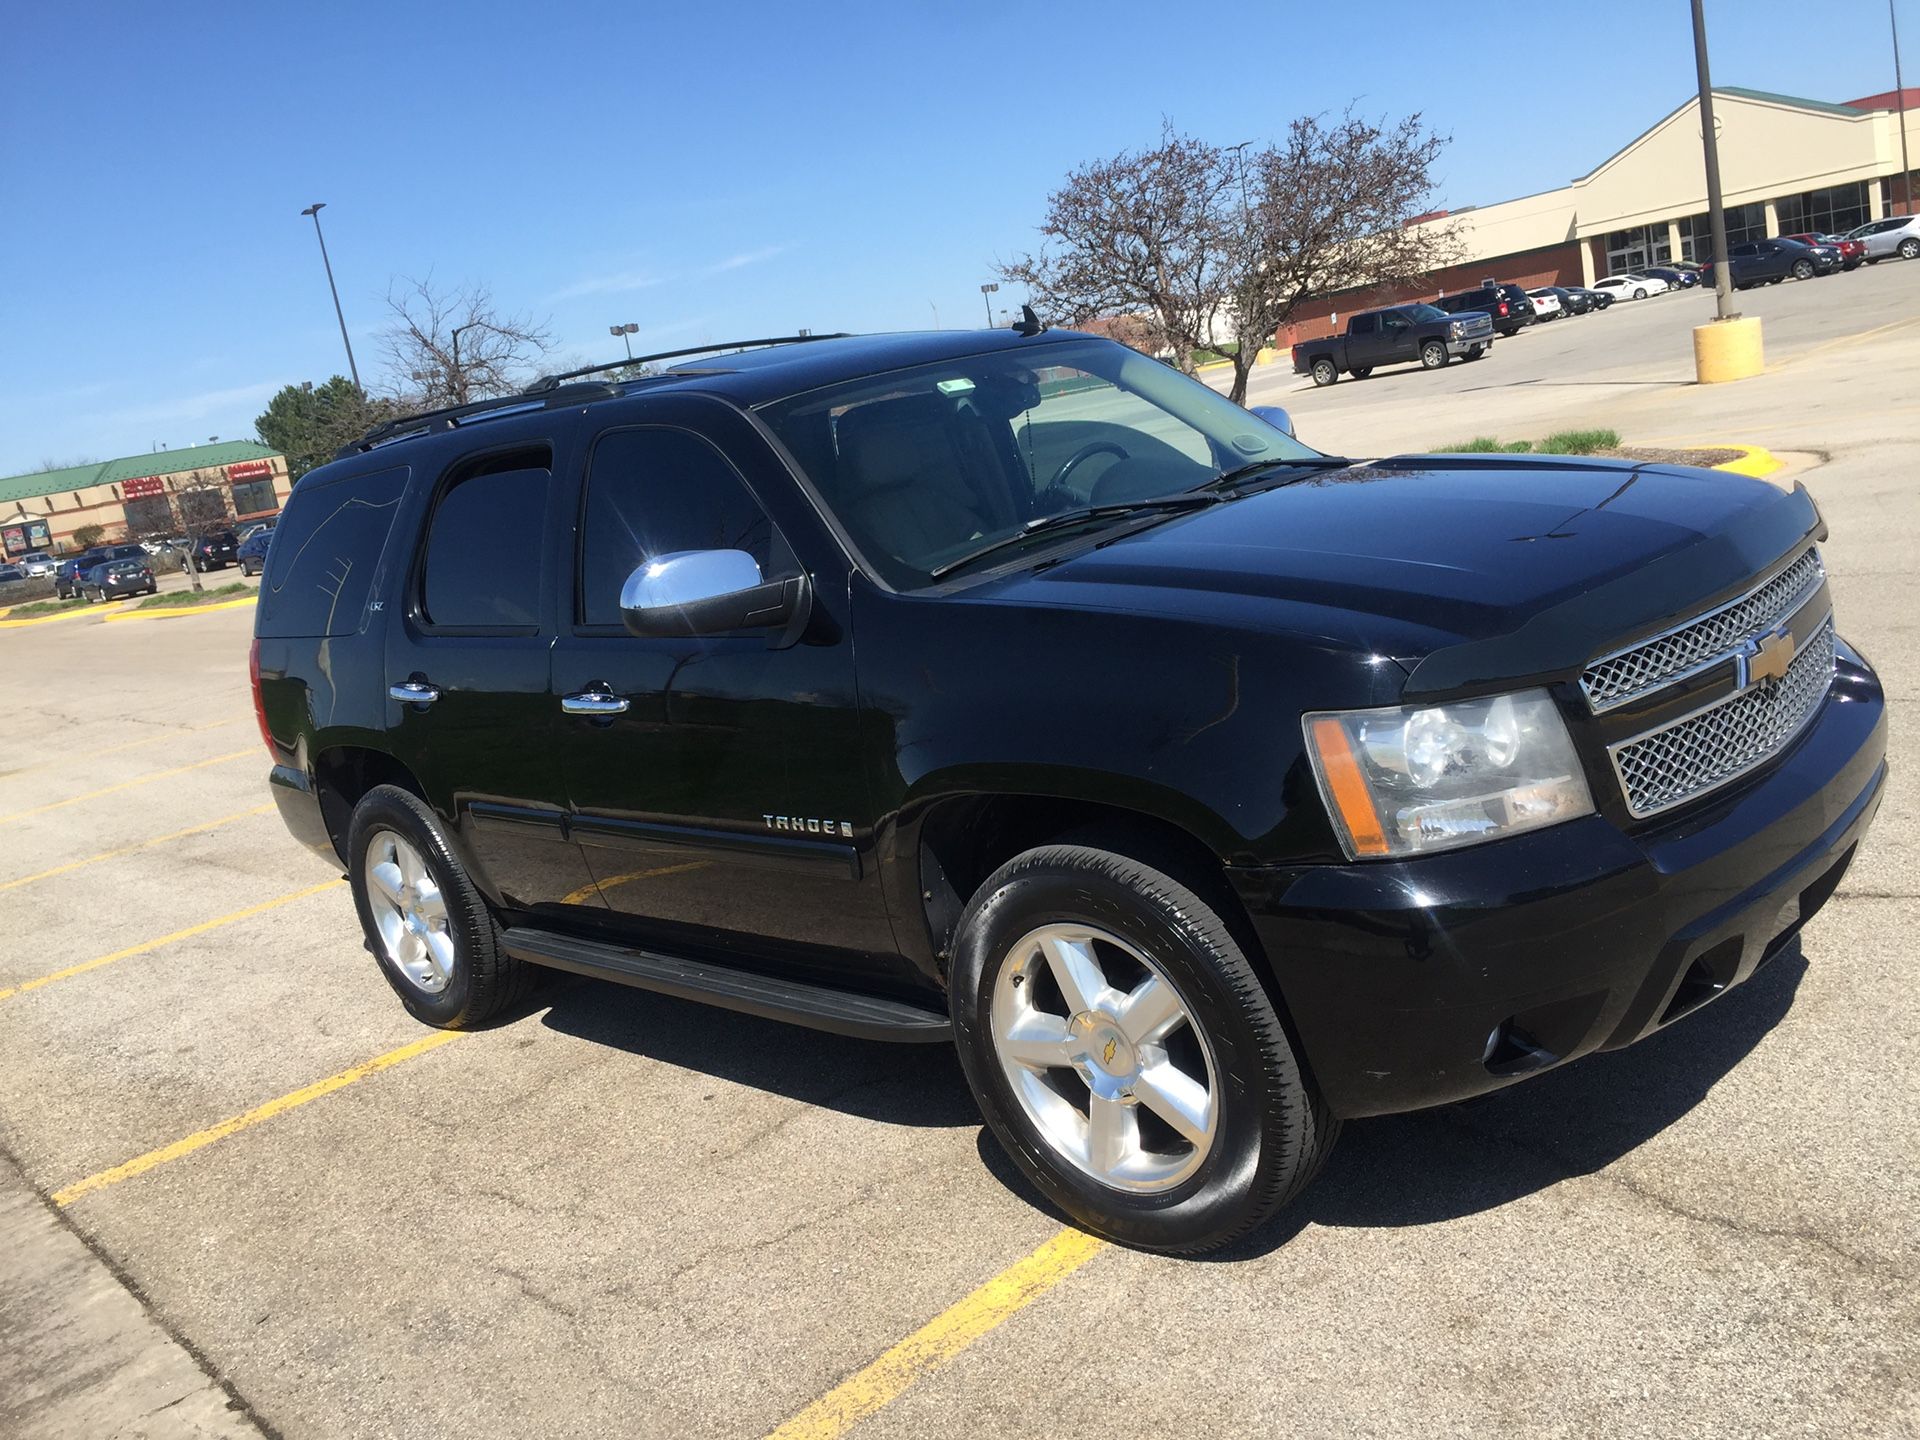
<point>325,551</point>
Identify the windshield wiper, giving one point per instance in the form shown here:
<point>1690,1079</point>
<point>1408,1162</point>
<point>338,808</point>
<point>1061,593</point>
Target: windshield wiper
<point>1062,519</point>
<point>1227,479</point>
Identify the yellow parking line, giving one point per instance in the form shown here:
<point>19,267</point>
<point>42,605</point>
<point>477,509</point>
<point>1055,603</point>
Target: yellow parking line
<point>586,892</point>
<point>200,1139</point>
<point>169,612</point>
<point>940,1340</point>
<point>127,785</point>
<point>187,934</point>
<point>141,845</point>
<point>141,743</point>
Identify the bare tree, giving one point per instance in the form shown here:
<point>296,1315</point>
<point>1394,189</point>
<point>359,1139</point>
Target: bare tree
<point>198,505</point>
<point>455,346</point>
<point>1216,247</point>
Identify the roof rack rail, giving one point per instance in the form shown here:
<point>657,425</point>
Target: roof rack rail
<point>448,417</point>
<point>548,383</point>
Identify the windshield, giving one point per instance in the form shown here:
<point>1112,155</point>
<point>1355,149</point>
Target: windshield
<point>925,465</point>
<point>1425,312</point>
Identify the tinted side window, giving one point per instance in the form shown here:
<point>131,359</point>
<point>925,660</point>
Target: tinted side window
<point>652,492</point>
<point>325,551</point>
<point>1364,324</point>
<point>484,540</point>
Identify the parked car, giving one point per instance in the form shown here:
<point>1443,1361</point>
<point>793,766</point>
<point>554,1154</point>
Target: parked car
<point>1508,306</point>
<point>1768,262</point>
<point>1852,253</point>
<point>37,563</point>
<point>9,574</point>
<point>1675,277</point>
<point>66,579</point>
<point>214,550</point>
<point>117,579</point>
<point>1597,299</point>
<point>252,552</point>
<point>1546,304</point>
<point>246,532</point>
<point>1573,301</point>
<point>1895,235</point>
<point>1028,696</point>
<point>1397,335</point>
<point>1630,287</point>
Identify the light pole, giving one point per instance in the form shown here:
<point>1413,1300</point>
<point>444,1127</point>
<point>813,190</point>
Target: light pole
<point>988,290</point>
<point>314,210</point>
<point>1730,347</point>
<point>624,331</point>
<point>1900,106</point>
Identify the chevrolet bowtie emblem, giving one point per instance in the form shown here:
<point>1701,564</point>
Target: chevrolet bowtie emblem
<point>1766,659</point>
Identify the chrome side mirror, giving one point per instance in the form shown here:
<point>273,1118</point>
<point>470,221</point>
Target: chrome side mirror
<point>710,592</point>
<point>1276,417</point>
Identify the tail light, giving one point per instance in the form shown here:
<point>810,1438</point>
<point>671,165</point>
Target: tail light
<point>1503,307</point>
<point>259,702</point>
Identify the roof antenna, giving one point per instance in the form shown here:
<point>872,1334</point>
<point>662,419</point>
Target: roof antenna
<point>1029,323</point>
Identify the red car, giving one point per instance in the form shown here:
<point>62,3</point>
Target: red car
<point>1852,252</point>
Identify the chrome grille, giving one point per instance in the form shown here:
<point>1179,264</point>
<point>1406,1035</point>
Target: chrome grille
<point>1701,642</point>
<point>1710,747</point>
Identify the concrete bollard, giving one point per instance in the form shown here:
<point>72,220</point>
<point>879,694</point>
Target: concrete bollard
<point>1728,350</point>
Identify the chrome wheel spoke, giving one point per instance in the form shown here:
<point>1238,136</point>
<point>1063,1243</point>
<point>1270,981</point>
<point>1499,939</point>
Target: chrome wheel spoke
<point>1177,1099</point>
<point>436,948</point>
<point>1113,1134</point>
<point>1038,1041</point>
<point>1150,1012</point>
<point>1083,984</point>
<point>386,879</point>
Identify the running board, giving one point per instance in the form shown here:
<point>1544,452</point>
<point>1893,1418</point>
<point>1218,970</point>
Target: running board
<point>795,1001</point>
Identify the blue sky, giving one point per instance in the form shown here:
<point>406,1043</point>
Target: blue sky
<point>708,171</point>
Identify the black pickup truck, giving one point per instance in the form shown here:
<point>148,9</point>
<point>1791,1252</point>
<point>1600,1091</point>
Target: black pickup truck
<point>1016,692</point>
<point>1397,335</point>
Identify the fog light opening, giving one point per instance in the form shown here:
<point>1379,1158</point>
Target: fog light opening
<point>1512,1051</point>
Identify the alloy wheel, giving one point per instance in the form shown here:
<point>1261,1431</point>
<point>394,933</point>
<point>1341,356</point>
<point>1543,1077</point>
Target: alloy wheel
<point>409,912</point>
<point>1103,1057</point>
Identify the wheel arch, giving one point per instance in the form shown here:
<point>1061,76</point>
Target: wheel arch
<point>342,774</point>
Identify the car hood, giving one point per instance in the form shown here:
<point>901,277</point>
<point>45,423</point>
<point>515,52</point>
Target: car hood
<point>1464,569</point>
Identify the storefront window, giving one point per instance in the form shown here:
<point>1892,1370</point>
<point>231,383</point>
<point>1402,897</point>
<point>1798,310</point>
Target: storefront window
<point>253,497</point>
<point>1635,249</point>
<point>150,515</point>
<point>1744,223</point>
<point>202,507</point>
<point>1832,211</point>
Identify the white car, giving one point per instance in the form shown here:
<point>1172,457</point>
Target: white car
<point>1896,235</point>
<point>1546,304</point>
<point>1630,287</point>
<point>37,563</point>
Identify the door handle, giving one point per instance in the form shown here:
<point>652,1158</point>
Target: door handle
<point>413,692</point>
<point>593,702</point>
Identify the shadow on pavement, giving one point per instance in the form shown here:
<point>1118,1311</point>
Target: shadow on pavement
<point>918,1085</point>
<point>1398,1170</point>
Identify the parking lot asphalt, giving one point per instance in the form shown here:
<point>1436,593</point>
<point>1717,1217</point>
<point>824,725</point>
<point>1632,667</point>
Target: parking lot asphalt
<point>619,1213</point>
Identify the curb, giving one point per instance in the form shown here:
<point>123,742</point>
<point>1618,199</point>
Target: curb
<point>43,619</point>
<point>1755,461</point>
<point>169,612</point>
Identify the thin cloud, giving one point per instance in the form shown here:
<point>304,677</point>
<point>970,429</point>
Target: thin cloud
<point>194,407</point>
<point>744,259</point>
<point>615,284</point>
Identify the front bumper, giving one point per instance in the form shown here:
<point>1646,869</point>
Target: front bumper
<point>1421,982</point>
<point>1463,344</point>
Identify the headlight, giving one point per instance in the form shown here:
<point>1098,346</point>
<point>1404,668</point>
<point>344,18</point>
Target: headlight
<point>1458,327</point>
<point>1406,780</point>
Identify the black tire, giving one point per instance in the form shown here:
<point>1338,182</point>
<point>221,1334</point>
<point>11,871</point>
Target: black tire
<point>1273,1130</point>
<point>485,979</point>
<point>1803,269</point>
<point>1325,372</point>
<point>1433,355</point>
<point>1475,352</point>
<point>1909,248</point>
<point>1360,372</point>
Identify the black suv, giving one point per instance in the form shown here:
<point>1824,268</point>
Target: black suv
<point>1508,306</point>
<point>1015,691</point>
<point>215,550</point>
